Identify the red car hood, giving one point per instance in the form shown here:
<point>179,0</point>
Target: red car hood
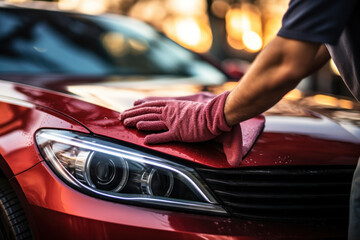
<point>317,130</point>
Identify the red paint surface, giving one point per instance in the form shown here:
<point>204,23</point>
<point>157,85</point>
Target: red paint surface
<point>19,122</point>
<point>63,213</point>
<point>56,211</point>
<point>276,146</point>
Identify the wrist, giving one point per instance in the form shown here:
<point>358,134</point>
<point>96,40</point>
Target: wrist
<point>229,111</point>
<point>214,114</point>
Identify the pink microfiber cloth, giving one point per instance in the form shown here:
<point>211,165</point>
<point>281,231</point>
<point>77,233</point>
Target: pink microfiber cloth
<point>236,143</point>
<point>179,120</point>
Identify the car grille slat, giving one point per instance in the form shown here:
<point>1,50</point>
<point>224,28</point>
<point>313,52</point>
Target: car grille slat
<point>274,184</point>
<point>283,193</point>
<point>299,172</point>
<point>277,196</point>
<point>281,207</point>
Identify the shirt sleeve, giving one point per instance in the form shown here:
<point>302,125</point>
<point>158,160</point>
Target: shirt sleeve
<point>316,20</point>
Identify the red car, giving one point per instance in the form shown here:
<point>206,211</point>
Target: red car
<point>69,169</point>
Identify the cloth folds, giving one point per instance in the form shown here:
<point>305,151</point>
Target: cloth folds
<point>236,143</point>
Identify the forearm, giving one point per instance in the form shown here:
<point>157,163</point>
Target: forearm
<point>321,58</point>
<point>276,71</point>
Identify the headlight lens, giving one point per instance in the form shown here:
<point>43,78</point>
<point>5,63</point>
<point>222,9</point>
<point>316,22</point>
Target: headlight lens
<point>113,171</point>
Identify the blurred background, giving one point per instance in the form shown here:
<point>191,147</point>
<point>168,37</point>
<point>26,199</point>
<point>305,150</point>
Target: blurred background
<point>231,31</point>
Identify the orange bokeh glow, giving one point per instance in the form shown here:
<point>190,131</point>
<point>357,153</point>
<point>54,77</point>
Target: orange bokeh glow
<point>243,25</point>
<point>192,33</point>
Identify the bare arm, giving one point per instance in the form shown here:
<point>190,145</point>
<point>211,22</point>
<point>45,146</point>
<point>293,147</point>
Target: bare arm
<point>277,70</point>
<point>322,56</point>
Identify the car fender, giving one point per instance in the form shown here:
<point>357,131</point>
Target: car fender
<point>18,123</point>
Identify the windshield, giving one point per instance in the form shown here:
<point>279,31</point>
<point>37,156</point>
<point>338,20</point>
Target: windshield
<point>45,42</point>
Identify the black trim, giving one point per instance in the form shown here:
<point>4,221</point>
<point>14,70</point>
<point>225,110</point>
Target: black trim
<point>288,193</point>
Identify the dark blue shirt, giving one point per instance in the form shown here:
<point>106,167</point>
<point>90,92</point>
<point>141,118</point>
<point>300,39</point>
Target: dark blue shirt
<point>333,22</point>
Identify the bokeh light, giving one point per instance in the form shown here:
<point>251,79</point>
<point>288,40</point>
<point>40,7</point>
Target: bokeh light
<point>186,7</point>
<point>188,31</point>
<point>219,8</point>
<point>235,43</point>
<point>115,44</point>
<point>152,12</point>
<point>243,24</point>
<point>252,41</point>
<point>68,4</point>
<point>237,23</point>
<point>85,6</point>
<point>272,12</point>
<point>249,25</point>
<point>192,33</point>
<point>15,1</point>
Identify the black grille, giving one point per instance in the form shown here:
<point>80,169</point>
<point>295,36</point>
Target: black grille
<point>287,193</point>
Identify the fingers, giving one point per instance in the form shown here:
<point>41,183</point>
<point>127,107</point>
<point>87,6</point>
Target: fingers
<point>133,112</point>
<point>145,103</point>
<point>143,108</point>
<point>151,126</point>
<point>159,138</point>
<point>132,121</point>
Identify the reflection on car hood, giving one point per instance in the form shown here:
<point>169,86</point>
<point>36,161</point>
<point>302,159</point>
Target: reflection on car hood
<point>312,111</point>
<point>296,132</point>
<point>121,95</point>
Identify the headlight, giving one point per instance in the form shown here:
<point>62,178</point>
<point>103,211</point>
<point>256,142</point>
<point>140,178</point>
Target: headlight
<point>116,172</point>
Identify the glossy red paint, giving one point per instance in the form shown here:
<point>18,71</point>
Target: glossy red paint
<point>56,207</point>
<point>305,135</point>
<point>19,121</point>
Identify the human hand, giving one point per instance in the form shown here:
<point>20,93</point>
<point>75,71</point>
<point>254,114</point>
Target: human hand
<point>179,120</point>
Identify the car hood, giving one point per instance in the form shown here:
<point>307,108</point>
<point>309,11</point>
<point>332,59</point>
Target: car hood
<point>317,130</point>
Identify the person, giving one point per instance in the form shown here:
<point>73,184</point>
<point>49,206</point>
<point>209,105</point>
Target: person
<point>311,32</point>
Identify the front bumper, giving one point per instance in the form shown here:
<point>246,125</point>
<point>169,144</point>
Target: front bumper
<point>56,211</point>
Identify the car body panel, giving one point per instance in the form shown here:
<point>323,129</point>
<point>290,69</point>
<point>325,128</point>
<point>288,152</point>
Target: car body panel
<point>56,207</point>
<point>19,121</point>
<point>306,133</point>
